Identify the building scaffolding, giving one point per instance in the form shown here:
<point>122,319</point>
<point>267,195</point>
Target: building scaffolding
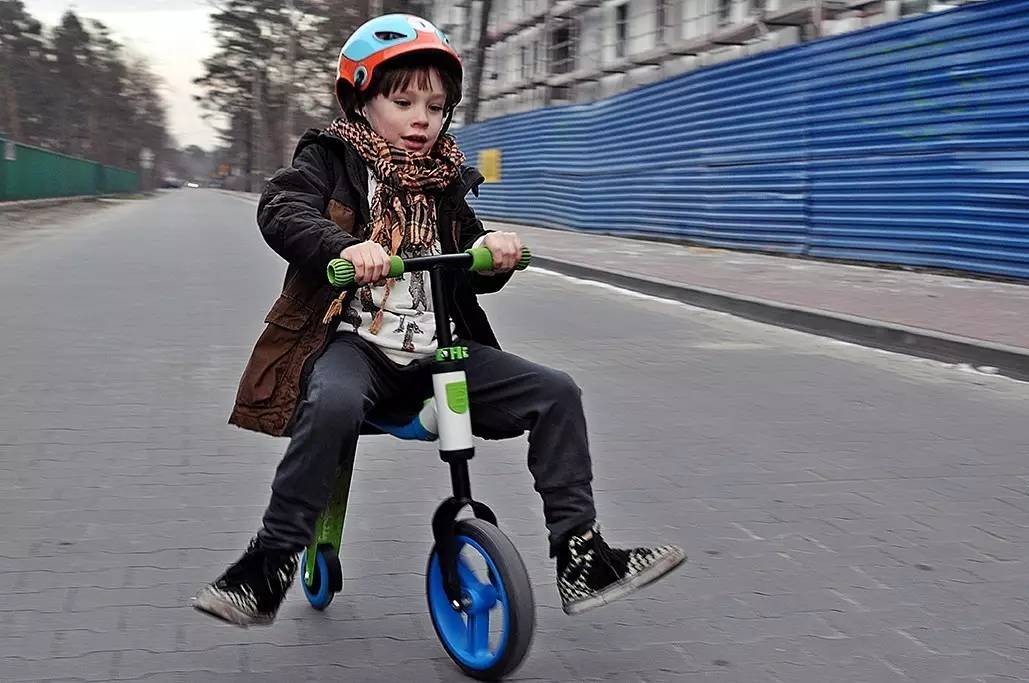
<point>540,53</point>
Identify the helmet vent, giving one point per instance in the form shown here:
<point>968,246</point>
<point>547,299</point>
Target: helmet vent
<point>388,36</point>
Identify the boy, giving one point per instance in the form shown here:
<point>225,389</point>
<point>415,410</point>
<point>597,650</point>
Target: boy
<point>326,359</point>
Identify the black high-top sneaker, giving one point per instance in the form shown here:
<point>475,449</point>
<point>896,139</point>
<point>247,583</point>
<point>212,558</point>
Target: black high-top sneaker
<point>250,591</point>
<point>590,573</point>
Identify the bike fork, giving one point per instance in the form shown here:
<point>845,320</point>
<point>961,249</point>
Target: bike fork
<point>450,390</point>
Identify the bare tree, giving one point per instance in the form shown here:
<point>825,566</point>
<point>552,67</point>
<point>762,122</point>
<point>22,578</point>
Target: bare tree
<point>46,100</point>
<point>475,78</point>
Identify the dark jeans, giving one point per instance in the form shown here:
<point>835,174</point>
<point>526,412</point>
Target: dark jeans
<point>509,396</point>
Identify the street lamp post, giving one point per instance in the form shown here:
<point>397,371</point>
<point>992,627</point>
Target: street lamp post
<point>291,42</point>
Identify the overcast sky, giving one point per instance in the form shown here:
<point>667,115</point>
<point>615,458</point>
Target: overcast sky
<point>174,36</point>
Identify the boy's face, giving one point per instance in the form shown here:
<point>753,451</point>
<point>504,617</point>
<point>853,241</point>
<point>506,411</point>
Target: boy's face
<point>410,117</point>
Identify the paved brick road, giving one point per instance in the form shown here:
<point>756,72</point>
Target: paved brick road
<point>850,515</point>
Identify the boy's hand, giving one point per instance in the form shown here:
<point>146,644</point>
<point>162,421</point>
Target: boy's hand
<point>371,262</point>
<point>506,248</point>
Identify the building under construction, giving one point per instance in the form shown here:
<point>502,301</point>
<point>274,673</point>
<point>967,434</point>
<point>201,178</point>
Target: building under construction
<point>538,52</point>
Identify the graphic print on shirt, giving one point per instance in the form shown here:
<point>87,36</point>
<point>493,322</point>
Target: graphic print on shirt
<point>419,298</point>
<point>407,327</point>
<point>367,304</point>
<point>412,330</point>
<point>352,317</point>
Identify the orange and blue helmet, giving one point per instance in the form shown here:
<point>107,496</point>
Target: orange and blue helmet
<point>379,40</point>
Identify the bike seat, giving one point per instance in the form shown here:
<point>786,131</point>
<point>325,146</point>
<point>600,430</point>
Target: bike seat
<point>407,424</point>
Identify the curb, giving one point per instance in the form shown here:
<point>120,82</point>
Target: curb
<point>49,201</point>
<point>1001,359</point>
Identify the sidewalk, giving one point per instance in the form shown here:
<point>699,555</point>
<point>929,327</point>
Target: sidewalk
<point>978,322</point>
<point>954,319</point>
<point>21,204</point>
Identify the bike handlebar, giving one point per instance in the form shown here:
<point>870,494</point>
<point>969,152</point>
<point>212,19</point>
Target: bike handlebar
<point>341,272</point>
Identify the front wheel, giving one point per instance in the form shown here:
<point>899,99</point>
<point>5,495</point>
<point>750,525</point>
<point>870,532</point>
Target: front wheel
<point>325,579</point>
<point>489,636</point>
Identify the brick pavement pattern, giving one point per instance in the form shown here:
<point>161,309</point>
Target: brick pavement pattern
<point>850,515</point>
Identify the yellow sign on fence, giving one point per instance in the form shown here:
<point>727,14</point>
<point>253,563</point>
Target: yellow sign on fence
<point>489,165</point>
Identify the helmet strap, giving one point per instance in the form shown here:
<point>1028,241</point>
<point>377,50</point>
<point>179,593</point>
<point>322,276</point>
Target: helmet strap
<point>446,123</point>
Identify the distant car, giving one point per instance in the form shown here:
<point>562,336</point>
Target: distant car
<point>192,184</point>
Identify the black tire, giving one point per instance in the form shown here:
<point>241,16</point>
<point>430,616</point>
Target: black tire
<point>335,569</point>
<point>334,578</point>
<point>520,606</point>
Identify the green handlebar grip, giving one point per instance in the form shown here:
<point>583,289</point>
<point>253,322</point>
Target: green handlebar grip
<point>482,259</point>
<point>396,266</point>
<point>526,259</point>
<point>341,272</point>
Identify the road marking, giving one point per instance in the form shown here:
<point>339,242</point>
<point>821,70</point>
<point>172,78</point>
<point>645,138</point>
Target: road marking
<point>959,367</point>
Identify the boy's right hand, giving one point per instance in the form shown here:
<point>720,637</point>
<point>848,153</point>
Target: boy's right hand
<point>371,262</point>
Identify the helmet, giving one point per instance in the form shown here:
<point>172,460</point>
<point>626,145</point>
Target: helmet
<point>381,39</point>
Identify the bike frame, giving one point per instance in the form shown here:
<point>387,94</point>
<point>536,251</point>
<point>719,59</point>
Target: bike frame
<point>453,411</point>
<point>454,422</point>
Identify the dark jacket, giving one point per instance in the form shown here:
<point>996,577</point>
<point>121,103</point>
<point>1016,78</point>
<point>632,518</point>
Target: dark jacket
<point>308,214</point>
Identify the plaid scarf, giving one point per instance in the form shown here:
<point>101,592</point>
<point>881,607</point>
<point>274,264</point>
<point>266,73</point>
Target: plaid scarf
<point>403,207</point>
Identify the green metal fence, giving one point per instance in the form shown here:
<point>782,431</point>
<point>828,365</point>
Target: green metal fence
<point>32,173</point>
<point>116,180</point>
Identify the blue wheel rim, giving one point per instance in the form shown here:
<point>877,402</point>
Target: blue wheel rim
<point>466,637</point>
<point>321,598</point>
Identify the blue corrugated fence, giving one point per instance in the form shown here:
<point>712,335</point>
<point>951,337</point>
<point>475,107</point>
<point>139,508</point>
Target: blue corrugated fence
<point>906,143</point>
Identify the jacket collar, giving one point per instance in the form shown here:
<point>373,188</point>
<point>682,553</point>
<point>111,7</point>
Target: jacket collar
<point>468,179</point>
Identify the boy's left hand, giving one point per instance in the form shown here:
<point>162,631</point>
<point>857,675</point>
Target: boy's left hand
<point>506,248</point>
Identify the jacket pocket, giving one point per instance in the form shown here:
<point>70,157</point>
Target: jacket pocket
<point>274,354</point>
<point>289,313</point>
